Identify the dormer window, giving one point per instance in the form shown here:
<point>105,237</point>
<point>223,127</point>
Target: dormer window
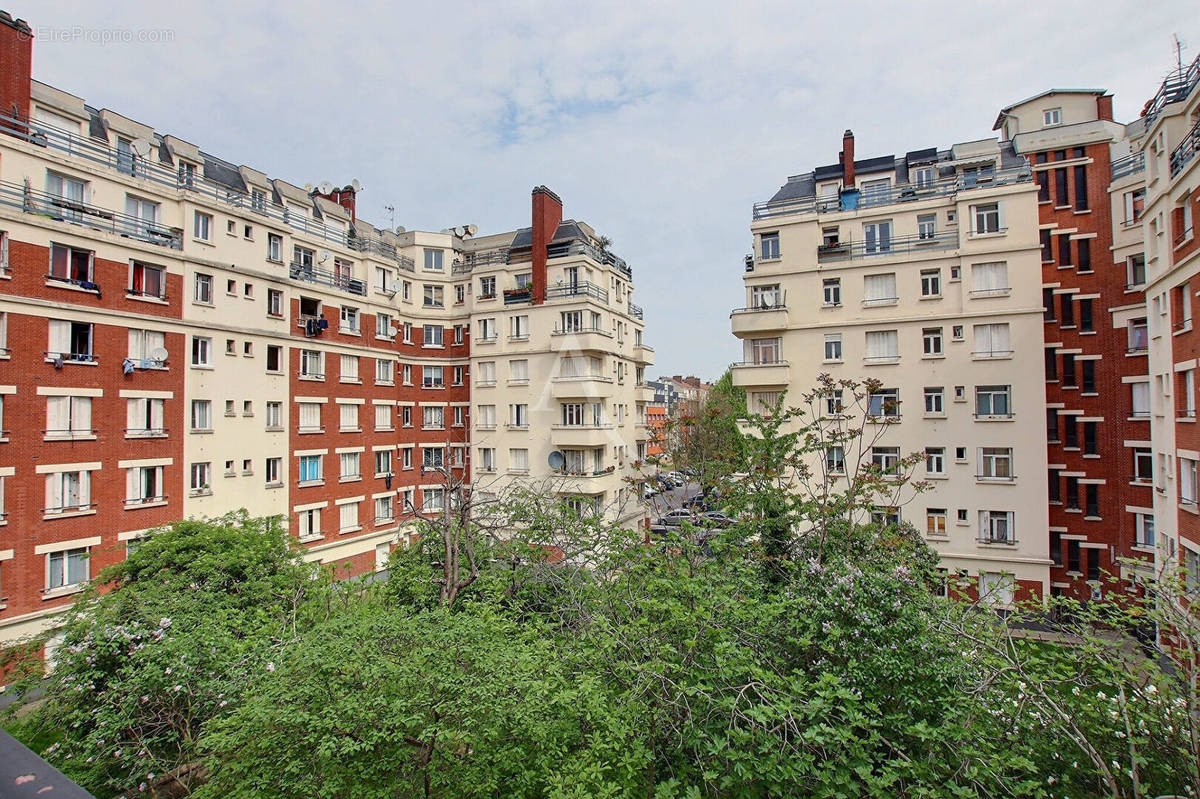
<point>1052,116</point>
<point>922,177</point>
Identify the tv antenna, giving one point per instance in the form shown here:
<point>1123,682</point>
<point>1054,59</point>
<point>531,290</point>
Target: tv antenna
<point>391,209</point>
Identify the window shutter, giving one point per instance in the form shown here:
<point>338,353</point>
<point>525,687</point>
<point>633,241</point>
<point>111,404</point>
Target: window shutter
<point>131,484</point>
<point>81,416</point>
<point>85,488</point>
<point>54,491</point>
<point>60,337</point>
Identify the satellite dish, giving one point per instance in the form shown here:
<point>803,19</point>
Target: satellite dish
<point>325,187</point>
<point>401,230</point>
<point>158,354</point>
<point>556,460</point>
<point>460,231</point>
<point>354,184</point>
<point>308,188</point>
<point>472,230</point>
<point>141,147</point>
<point>324,256</point>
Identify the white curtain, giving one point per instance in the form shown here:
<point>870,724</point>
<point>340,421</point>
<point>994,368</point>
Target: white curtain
<point>60,337</point>
<point>992,339</point>
<point>310,415</point>
<point>880,287</point>
<point>991,276</point>
<point>883,344</point>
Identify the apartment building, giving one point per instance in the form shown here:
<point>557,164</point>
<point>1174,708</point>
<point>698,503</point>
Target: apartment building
<point>921,271</point>
<point>559,349</point>
<point>1169,142</point>
<point>1097,398</point>
<point>182,336</point>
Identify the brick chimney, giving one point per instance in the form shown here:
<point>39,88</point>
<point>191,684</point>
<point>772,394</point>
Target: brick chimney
<point>343,197</point>
<point>16,66</point>
<point>547,215</point>
<point>1104,107</point>
<point>847,156</point>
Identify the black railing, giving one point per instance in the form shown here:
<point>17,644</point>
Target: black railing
<point>376,246</point>
<point>598,255</point>
<point>64,209</point>
<point>997,539</point>
<point>474,260</point>
<point>583,288</point>
<point>324,277</point>
<point>1129,165</point>
<point>762,306</point>
<point>636,311</point>
<point>518,296</point>
<point>72,357</point>
<point>1176,86</point>
<point>146,500</point>
<point>1186,150</point>
<point>157,295</point>
<point>579,331</point>
<point>898,245</point>
<point>86,285</point>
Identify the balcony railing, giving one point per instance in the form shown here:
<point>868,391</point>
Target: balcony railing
<point>63,209</point>
<point>1129,165</point>
<point>579,331</point>
<point>598,255</point>
<point>583,288</point>
<point>375,246</point>
<point>324,277</point>
<point>475,260</point>
<point>1186,150</point>
<point>899,245</point>
<point>1176,86</point>
<point>852,200</point>
<point>518,296</point>
<point>72,357</point>
<point>636,311</point>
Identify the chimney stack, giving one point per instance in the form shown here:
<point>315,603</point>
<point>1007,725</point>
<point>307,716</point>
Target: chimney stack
<point>1104,107</point>
<point>547,216</point>
<point>847,156</point>
<point>343,197</point>
<point>16,66</point>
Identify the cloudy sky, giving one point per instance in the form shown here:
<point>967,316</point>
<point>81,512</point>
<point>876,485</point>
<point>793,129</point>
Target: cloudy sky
<point>660,123</point>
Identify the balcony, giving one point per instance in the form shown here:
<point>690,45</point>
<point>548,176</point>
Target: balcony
<point>898,245</point>
<point>377,247</point>
<point>853,200</point>
<point>1186,151</point>
<point>592,435</point>
<point>518,296</point>
<point>761,319</point>
<point>63,209</point>
<point>584,339</point>
<point>583,386</point>
<point>747,373</point>
<point>323,277</point>
<point>643,393</point>
<point>636,311</point>
<point>644,354</point>
<point>1129,165</point>
<point>1175,87</point>
<point>476,260</point>
<point>600,256</point>
<point>581,289</point>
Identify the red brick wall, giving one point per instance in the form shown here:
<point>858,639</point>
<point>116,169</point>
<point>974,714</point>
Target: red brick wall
<point>547,215</point>
<point>16,61</point>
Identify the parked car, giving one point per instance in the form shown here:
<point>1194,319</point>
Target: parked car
<point>697,502</point>
<point>648,491</point>
<point>676,518</point>
<point>715,518</point>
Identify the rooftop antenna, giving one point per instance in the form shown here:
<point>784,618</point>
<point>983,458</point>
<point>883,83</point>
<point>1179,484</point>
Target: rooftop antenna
<point>391,209</point>
<point>1178,53</point>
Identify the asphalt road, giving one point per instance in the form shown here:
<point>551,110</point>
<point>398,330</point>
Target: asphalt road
<point>669,500</point>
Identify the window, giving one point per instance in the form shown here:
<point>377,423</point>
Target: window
<point>1081,188</point>
<point>1143,465</point>
<point>408,333</point>
<point>383,462</point>
<point>433,457</point>
<point>146,280</point>
<point>572,321</point>
<point>1140,399</point>
<point>989,279</point>
<point>66,568</point>
<point>458,374</point>
<point>144,345</point>
<point>935,521</point>
<point>144,417</point>
<point>70,341</point>
<point>875,192</point>
<point>68,417</point>
<point>383,417</point>
<point>274,302</point>
<point>487,288</point>
<point>921,177</point>
<point>385,371</point>
<point>349,369</point>
<point>434,296</point>
<point>72,191</point>
<point>992,341</point>
<point>460,293</point>
<point>71,265</point>
<point>310,468</point>
<point>201,415</point>
<point>518,460</point>
<point>385,510</point>
<point>433,500</point>
<point>886,459</point>
<point>200,477</point>
<point>877,237</point>
<point>885,515</point>
<point>926,226</point>
<point>1145,530</point>
<point>769,246</point>
<point>348,418</point>
<point>931,341</point>
<point>996,527</point>
<point>935,460</point>
<point>144,484</point>
<point>1092,504</point>
<point>202,226</point>
<point>312,364</point>
<point>931,282</point>
<point>1052,116</point>
<point>995,463</point>
<point>833,402</point>
<point>433,260</point>
<point>882,346</point>
<point>274,247</point>
<point>934,400</point>
<point>766,350</point>
<point>518,415</point>
<point>486,417</point>
<point>274,415</point>
<point>1135,270</point>
<point>309,524</point>
<point>986,217</point>
<point>993,401</point>
<point>309,417</point>
<point>488,331</point>
<point>831,288</point>
<point>431,377</point>
<point>1060,189</point>
<point>833,346</point>
<point>518,371</point>
<point>880,289</point>
<point>884,403</point>
<point>202,350</point>
<point>67,492</point>
<point>835,460</point>
<point>765,297</point>
<point>487,459</point>
<point>202,289</point>
<point>349,463</point>
<point>434,418</point>
<point>432,334</point>
<point>273,471</point>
